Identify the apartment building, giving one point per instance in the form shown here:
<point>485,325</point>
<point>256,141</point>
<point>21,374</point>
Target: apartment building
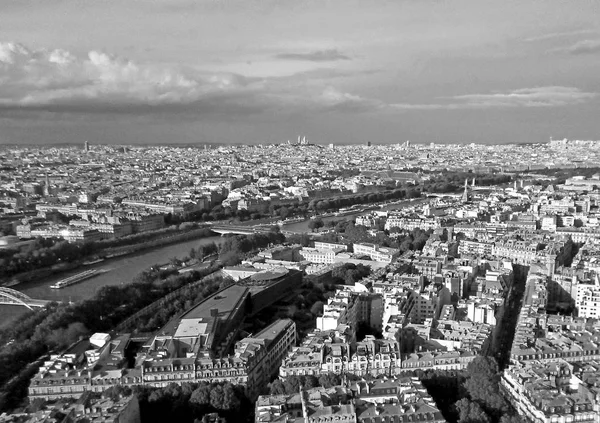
<point>554,391</point>
<point>315,255</point>
<point>398,399</point>
<point>319,245</point>
<point>475,248</point>
<point>587,301</point>
<point>376,253</point>
<point>482,311</point>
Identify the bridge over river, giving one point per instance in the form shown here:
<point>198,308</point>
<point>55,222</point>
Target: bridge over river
<point>10,296</point>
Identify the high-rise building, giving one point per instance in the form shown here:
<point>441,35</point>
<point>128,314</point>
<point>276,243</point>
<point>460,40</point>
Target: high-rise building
<point>86,146</point>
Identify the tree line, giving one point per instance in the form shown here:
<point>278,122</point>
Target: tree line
<point>291,385</point>
<point>472,395</point>
<point>189,402</point>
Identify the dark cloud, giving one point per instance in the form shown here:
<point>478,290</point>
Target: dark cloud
<point>331,55</point>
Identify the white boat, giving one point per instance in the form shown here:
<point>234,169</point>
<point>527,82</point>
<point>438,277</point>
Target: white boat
<point>79,277</point>
<point>90,262</point>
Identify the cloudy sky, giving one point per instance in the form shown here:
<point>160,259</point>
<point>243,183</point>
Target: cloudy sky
<point>256,71</point>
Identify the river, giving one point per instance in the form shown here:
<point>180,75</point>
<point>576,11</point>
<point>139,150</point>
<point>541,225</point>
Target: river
<point>120,270</point>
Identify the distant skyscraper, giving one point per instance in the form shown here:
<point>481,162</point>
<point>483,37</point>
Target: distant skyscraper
<point>331,146</point>
<point>86,146</point>
<point>368,143</point>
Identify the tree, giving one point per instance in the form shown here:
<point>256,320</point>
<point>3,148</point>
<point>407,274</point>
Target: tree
<point>230,398</point>
<point>276,387</point>
<point>310,381</point>
<point>216,397</point>
<point>509,418</point>
<point>201,395</point>
<point>292,384</point>
<point>327,380</point>
<point>315,224</point>
<point>317,308</point>
<point>471,412</point>
<point>284,212</point>
<point>61,338</point>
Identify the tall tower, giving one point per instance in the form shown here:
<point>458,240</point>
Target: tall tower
<point>86,146</point>
<point>47,185</point>
<point>465,196</point>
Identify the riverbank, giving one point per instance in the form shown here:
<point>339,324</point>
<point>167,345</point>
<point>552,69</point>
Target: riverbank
<point>110,253</point>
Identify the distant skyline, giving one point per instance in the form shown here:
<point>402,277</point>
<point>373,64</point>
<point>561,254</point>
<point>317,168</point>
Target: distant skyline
<point>265,71</point>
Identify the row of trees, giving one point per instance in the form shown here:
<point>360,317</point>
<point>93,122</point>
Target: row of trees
<point>185,299</point>
<point>42,253</point>
<point>472,395</point>
<point>190,402</point>
<point>291,385</point>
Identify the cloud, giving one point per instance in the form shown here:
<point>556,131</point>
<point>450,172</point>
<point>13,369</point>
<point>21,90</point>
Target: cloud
<point>36,78</point>
<point>589,46</point>
<point>335,100</point>
<point>552,96</point>
<point>99,83</point>
<point>584,47</point>
<point>554,35</point>
<point>332,99</point>
<point>528,97</point>
<point>96,82</point>
<point>330,55</point>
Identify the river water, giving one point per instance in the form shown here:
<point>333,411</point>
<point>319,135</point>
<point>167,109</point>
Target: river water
<point>123,269</point>
<point>120,270</point>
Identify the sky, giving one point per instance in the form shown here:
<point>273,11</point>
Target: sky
<point>264,71</point>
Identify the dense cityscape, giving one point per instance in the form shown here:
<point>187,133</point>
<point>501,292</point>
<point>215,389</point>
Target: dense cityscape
<point>299,282</point>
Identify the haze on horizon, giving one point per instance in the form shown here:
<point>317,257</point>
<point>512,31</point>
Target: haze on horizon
<point>341,71</point>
